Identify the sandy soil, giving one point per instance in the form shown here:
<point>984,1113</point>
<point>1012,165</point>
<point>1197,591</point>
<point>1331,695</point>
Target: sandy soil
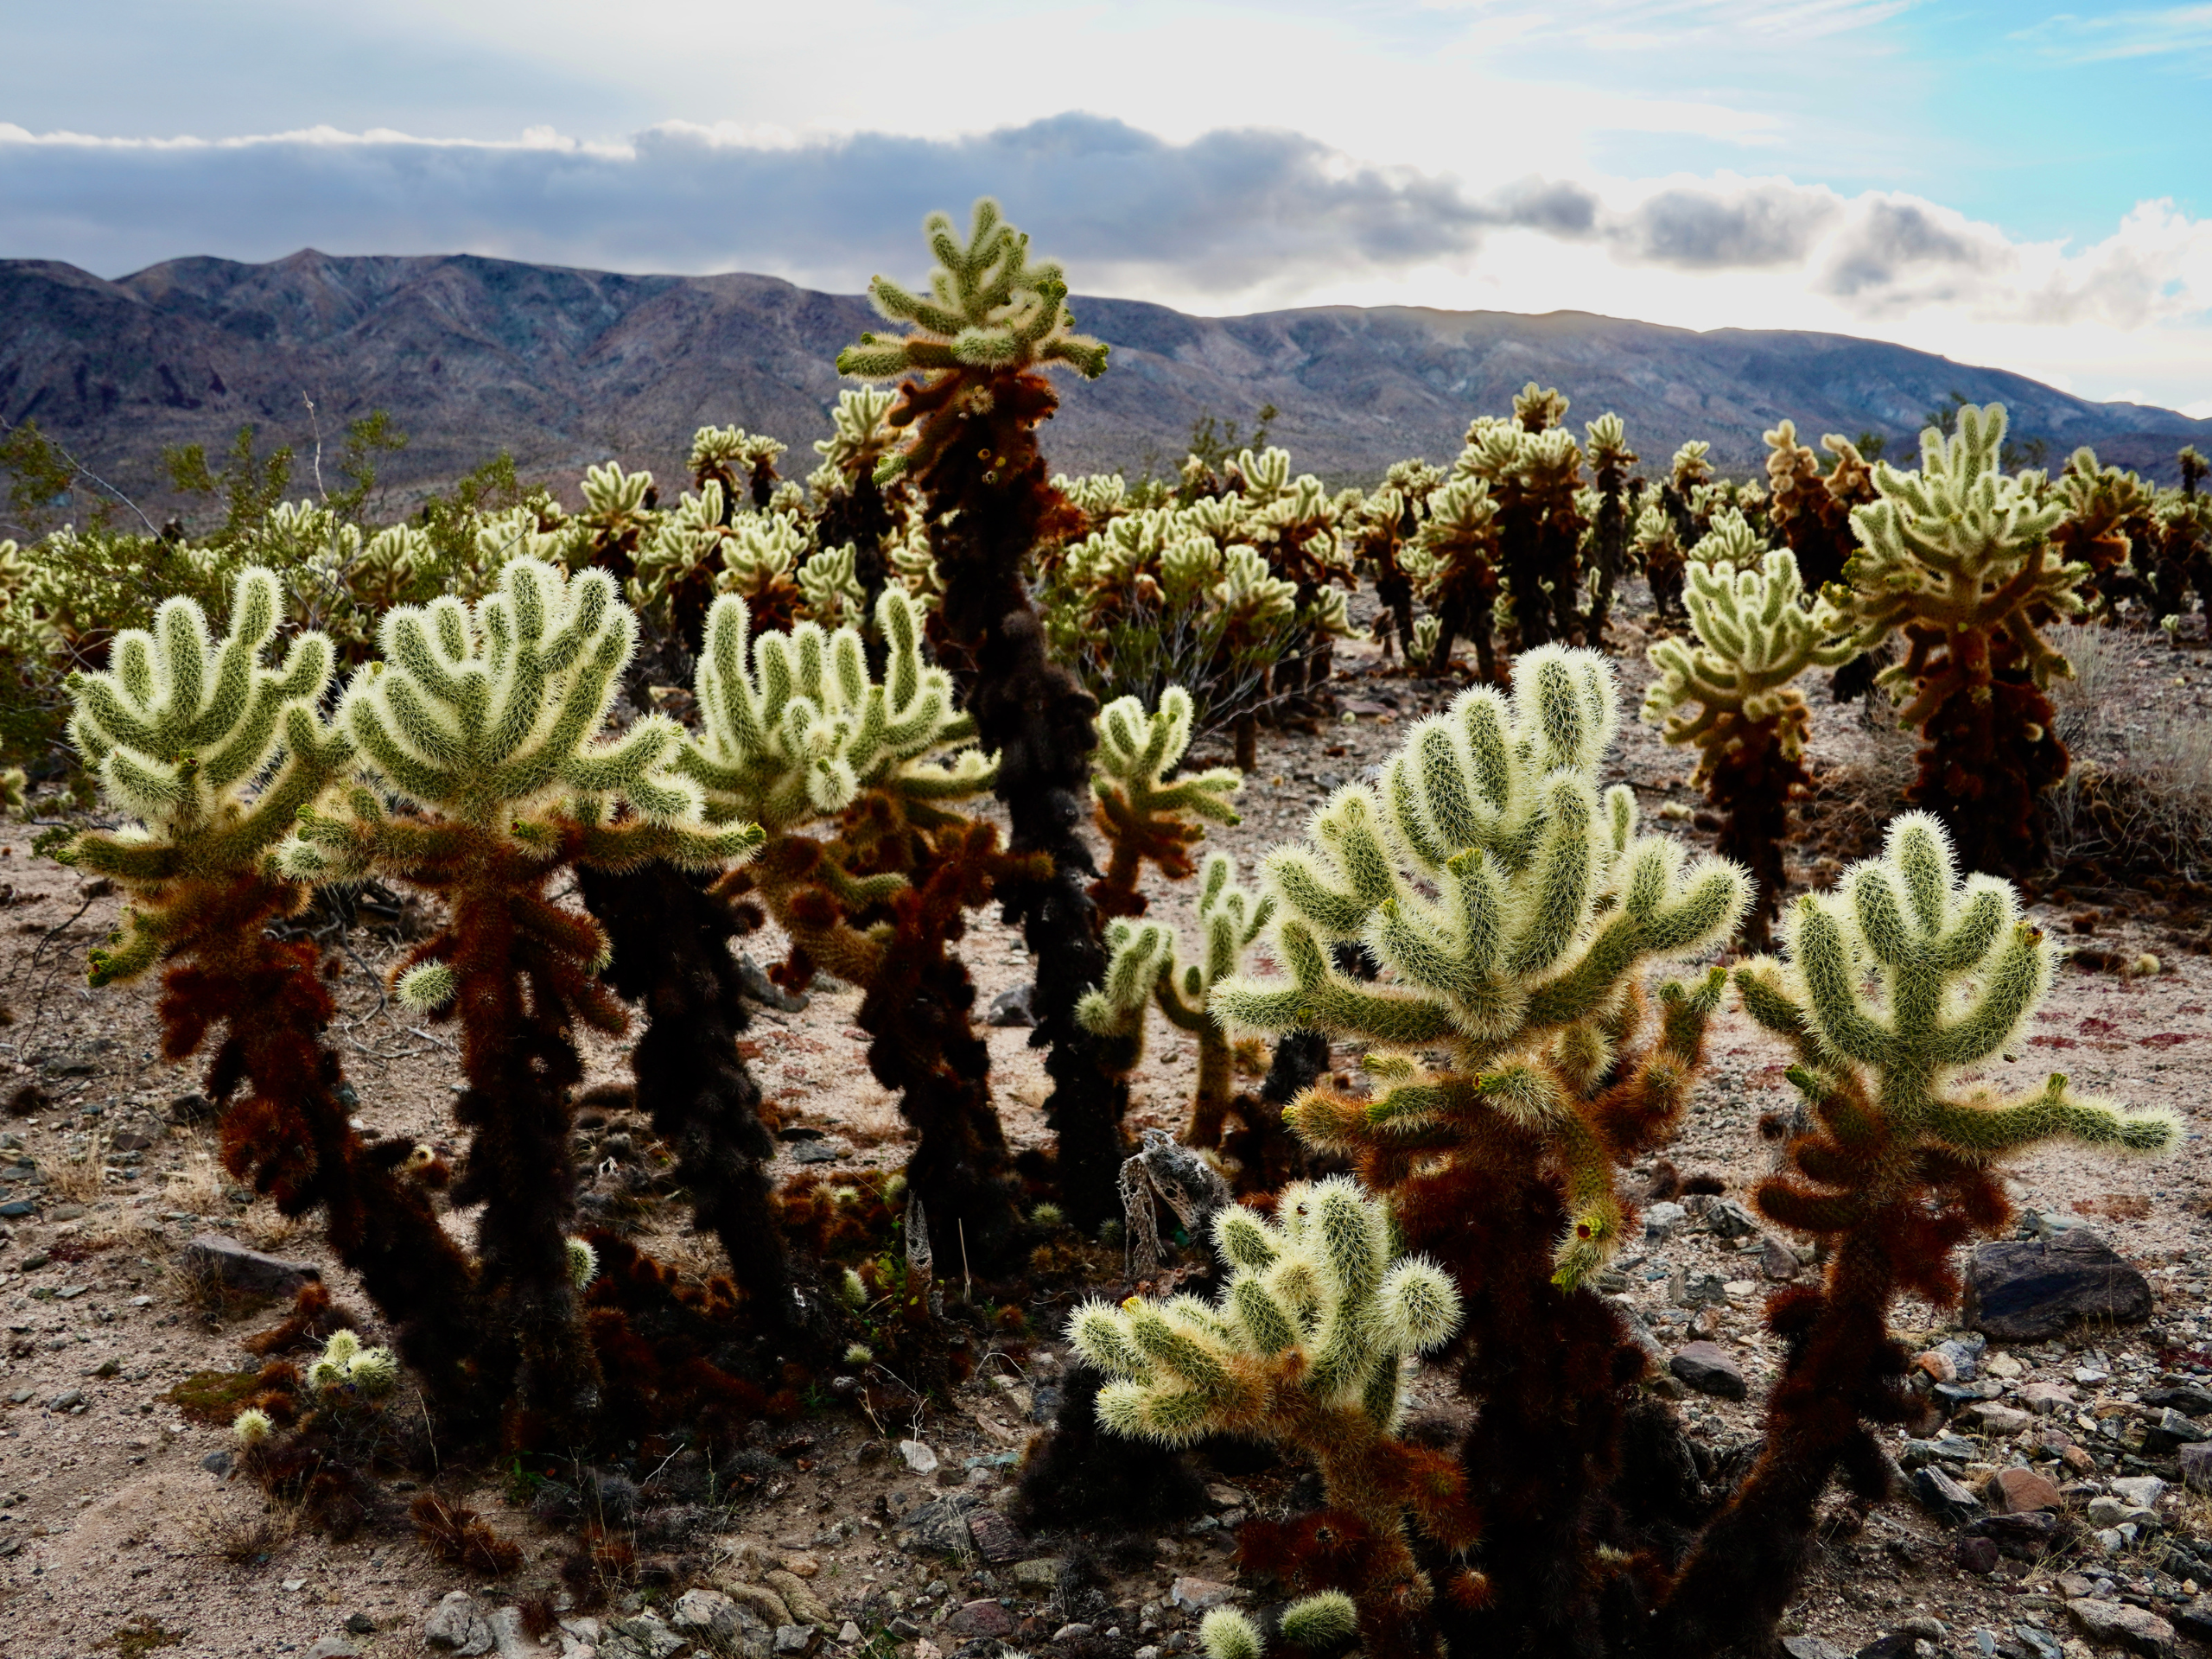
<point>114,1535</point>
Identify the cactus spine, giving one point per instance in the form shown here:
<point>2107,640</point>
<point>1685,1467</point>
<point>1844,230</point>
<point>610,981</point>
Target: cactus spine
<point>1894,1171</point>
<point>1303,1348</point>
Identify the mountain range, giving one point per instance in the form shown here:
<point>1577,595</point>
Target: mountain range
<point>563,368</point>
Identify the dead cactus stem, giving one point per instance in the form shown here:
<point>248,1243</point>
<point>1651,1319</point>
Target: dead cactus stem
<point>989,502</point>
<point>671,937</point>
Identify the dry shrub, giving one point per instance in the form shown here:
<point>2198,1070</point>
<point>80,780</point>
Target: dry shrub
<point>195,1186</point>
<point>82,1178</point>
<point>2098,656</point>
<point>2151,811</point>
<point>458,1536</point>
<point>246,1538</point>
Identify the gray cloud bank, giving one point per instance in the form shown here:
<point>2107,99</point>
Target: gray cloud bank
<point>1232,212</point>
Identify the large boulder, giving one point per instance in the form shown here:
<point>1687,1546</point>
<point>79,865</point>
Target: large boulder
<point>2027,1290</point>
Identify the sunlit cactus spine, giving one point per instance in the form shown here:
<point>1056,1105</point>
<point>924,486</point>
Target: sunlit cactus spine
<point>1658,549</point>
<point>1304,1348</point>
<point>1532,468</point>
<point>213,753</point>
<point>1755,635</point>
<point>619,516</point>
<point>1897,1167</point>
<point>1148,965</point>
<point>486,721</point>
<point>1958,557</point>
<point>1145,816</point>
<point>1514,910</point>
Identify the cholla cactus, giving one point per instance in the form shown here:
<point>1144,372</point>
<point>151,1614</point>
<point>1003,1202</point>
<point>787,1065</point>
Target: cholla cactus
<point>1730,543</point>
<point>1958,557</point>
<point>1811,513</point>
<point>215,753</point>
<point>1148,966</point>
<point>1514,912</point>
<point>1532,468</point>
<point>487,720</point>
<point>1144,816</point>
<point>1755,637</point>
<point>1316,1622</point>
<point>370,1373</point>
<point>1457,575</point>
<point>1895,1170</point>
<point>991,311</point>
<point>1303,1348</point>
<point>1610,460</point>
<point>997,320</point>
<point>179,731</point>
<point>743,463</point>
<point>859,437</point>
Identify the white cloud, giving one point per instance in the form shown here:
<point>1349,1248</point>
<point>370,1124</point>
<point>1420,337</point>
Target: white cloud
<point>1234,219</point>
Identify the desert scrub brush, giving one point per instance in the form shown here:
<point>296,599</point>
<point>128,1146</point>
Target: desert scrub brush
<point>1513,910</point>
<point>1755,635</point>
<point>212,753</point>
<point>1305,1347</point>
<point>1892,989</point>
<point>484,721</point>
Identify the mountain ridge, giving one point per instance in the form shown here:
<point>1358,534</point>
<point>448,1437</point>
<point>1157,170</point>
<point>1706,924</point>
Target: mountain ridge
<point>564,367</point>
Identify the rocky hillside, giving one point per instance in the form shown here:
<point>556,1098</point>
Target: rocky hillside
<point>567,367</point>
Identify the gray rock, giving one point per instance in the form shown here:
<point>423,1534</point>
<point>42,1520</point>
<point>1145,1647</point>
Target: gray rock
<point>509,1637</point>
<point>1811,1647</point>
<point>1661,1219</point>
<point>2194,1620</point>
<point>764,990</point>
<point>1992,1418</point>
<point>455,1624</point>
<point>995,1537</point>
<point>982,1617</point>
<point>1730,1219</point>
<point>1037,1576</point>
<point>939,1528</point>
<point>696,1610</point>
<point>1698,1289</point>
<point>795,1639</point>
<point>360,1625</point>
<point>1707,1368</point>
<point>919,1457</point>
<point>1196,1595</point>
<point>2026,1290</point>
<point>2169,1431</point>
<point>2195,1468</point>
<point>1944,1498</point>
<point>1778,1262</point>
<point>1012,1007</point>
<point>236,1268</point>
<point>824,1150</point>
<point>2116,1624</point>
<point>648,1636</point>
<point>2190,1399</point>
<point>2040,1643</point>
<point>2143,1491</point>
<point>334,1647</point>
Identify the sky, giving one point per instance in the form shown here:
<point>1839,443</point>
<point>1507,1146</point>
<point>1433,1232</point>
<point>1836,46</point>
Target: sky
<point>2009,184</point>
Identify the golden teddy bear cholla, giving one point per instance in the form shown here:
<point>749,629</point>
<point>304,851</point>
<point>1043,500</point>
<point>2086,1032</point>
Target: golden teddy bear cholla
<point>1513,910</point>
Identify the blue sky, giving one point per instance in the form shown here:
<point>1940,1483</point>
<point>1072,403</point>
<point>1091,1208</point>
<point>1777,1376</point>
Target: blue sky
<point>2009,184</point>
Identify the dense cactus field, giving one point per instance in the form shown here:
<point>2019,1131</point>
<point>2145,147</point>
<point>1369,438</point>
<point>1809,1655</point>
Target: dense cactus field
<point>665,974</point>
